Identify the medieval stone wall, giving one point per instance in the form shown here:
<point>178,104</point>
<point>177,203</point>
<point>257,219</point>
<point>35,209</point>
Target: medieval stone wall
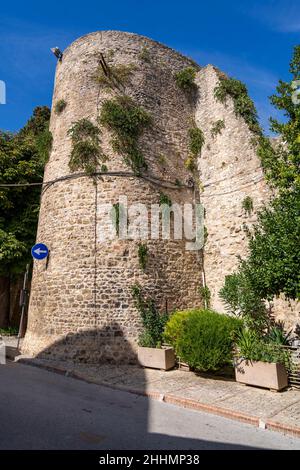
<point>230,171</point>
<point>81,306</point>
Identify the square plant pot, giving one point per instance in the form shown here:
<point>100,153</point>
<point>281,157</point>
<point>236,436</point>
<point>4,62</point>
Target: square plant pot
<point>156,358</point>
<point>261,374</point>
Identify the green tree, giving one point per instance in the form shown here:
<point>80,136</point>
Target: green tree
<point>272,266</point>
<point>281,162</point>
<point>22,158</point>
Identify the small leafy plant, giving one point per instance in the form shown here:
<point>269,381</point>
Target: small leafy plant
<point>243,105</point>
<point>185,79</point>
<point>190,163</point>
<point>60,106</point>
<point>205,295</point>
<point>217,127</point>
<point>196,140</point>
<point>144,55</point>
<point>153,321</point>
<point>252,347</point>
<point>9,331</point>
<point>164,199</point>
<point>247,205</point>
<point>143,254</point>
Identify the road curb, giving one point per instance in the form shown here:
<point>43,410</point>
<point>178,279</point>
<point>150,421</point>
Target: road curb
<point>173,399</point>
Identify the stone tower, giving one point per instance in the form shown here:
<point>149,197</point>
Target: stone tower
<point>85,285</point>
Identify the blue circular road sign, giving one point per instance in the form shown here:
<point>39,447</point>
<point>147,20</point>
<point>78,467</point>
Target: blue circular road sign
<point>39,251</point>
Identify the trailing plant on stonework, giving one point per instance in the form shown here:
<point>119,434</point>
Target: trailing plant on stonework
<point>127,121</point>
<point>143,255</point>
<point>205,294</point>
<point>86,152</point>
<point>60,106</point>
<point>185,79</point>
<point>243,105</point>
<point>145,55</point>
<point>247,205</point>
<point>162,159</point>
<point>84,130</point>
<point>153,321</point>
<point>196,140</point>
<point>202,338</point>
<point>190,164</point>
<point>164,199</point>
<point>119,74</point>
<point>217,127</point>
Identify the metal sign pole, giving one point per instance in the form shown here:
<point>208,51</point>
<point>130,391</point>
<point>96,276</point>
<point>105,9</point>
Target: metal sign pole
<point>23,301</point>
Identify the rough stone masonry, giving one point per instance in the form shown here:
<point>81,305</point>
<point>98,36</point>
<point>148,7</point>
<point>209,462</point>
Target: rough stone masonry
<point>81,306</point>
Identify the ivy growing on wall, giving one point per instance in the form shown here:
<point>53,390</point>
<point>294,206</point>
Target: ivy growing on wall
<point>164,199</point>
<point>153,321</point>
<point>247,205</point>
<point>119,74</point>
<point>185,79</point>
<point>143,254</point>
<point>86,152</point>
<point>205,295</point>
<point>127,121</point>
<point>217,127</point>
<point>196,141</point>
<point>243,105</point>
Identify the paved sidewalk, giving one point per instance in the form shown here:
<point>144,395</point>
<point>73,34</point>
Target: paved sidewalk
<point>224,397</point>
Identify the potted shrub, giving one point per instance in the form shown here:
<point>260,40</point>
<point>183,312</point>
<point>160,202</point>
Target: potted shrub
<point>202,338</point>
<point>151,353</point>
<point>261,361</point>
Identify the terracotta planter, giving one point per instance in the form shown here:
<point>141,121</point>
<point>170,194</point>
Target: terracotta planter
<point>156,358</point>
<point>261,374</point>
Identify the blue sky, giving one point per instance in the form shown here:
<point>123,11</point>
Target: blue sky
<point>250,40</point>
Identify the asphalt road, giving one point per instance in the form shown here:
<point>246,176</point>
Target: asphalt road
<point>44,410</point>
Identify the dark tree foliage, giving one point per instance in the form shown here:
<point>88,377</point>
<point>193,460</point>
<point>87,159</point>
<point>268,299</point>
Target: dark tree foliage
<point>21,161</point>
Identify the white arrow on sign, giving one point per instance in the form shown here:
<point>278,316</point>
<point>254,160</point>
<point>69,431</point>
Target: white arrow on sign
<point>39,251</point>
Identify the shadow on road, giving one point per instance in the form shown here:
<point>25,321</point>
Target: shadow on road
<point>43,410</point>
